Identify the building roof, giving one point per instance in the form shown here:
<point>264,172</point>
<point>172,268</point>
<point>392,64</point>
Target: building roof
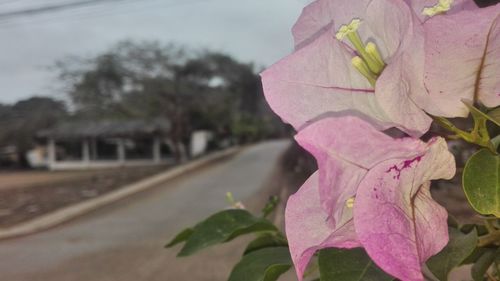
<point>109,128</point>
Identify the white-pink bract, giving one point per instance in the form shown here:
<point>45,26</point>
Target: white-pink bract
<point>462,59</point>
<point>371,191</point>
<point>319,79</point>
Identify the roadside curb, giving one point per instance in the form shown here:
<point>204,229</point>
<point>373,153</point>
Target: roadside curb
<point>67,213</point>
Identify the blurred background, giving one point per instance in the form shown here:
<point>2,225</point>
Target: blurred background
<point>101,98</point>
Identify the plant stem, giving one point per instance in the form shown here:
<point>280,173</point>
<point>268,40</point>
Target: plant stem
<point>490,277</point>
<point>428,276</point>
<point>491,238</point>
<point>479,135</point>
<point>489,226</point>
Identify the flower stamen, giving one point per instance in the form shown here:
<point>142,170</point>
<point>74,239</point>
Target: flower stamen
<point>372,50</point>
<point>233,203</point>
<point>348,29</point>
<point>350,203</point>
<point>369,62</point>
<point>441,7</point>
<point>363,68</point>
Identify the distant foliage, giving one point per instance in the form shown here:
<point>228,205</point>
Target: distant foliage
<point>194,90</point>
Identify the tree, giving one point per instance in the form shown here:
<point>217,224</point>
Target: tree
<point>193,90</point>
<point>21,121</point>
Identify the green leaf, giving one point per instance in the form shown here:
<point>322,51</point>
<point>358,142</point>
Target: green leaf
<point>453,222</point>
<point>458,249</point>
<point>270,206</point>
<point>481,229</point>
<point>266,240</point>
<point>483,263</point>
<point>181,237</point>
<point>223,227</point>
<point>475,255</point>
<point>262,265</point>
<point>494,115</point>
<point>349,265</point>
<point>445,123</point>
<point>496,142</point>
<point>481,182</point>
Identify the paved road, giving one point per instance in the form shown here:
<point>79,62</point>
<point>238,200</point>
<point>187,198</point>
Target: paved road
<point>124,241</point>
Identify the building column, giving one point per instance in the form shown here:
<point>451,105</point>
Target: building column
<point>121,150</point>
<point>157,149</point>
<point>86,151</point>
<point>94,148</point>
<point>51,151</point>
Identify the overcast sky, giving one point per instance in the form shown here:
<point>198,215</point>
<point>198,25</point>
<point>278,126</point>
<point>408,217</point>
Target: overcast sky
<point>251,30</point>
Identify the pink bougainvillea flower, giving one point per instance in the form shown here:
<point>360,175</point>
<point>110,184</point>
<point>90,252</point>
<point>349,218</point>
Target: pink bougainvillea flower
<point>462,59</point>
<point>309,229</point>
<point>355,57</point>
<point>372,191</point>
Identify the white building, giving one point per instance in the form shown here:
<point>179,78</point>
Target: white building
<point>105,144</point>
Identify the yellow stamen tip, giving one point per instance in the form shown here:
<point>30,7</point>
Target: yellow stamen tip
<point>441,7</point>
<point>363,68</point>
<point>230,197</point>
<point>371,48</point>
<point>358,63</point>
<point>348,29</point>
<point>350,202</point>
<point>372,51</point>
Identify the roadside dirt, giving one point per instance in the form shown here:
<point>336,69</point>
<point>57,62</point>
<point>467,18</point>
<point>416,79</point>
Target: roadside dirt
<point>26,195</point>
<point>20,179</point>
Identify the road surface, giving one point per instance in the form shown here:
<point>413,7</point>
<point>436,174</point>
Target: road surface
<point>124,241</point>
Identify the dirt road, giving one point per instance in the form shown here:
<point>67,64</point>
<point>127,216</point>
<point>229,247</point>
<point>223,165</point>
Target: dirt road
<point>124,241</point>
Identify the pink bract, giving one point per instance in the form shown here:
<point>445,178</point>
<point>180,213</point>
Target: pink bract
<point>318,78</point>
<point>463,59</point>
<point>393,216</point>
